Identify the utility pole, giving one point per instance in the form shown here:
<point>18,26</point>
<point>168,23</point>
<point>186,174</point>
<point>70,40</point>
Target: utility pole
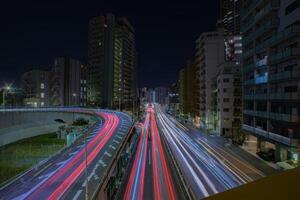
<point>86,169</point>
<point>3,100</point>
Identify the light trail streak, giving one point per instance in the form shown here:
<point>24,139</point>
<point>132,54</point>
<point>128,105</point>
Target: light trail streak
<point>74,168</point>
<point>206,174</point>
<point>135,186</point>
<point>156,143</point>
<point>163,187</point>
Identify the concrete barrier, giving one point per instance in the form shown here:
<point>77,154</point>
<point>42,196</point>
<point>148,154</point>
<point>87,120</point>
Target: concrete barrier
<point>21,124</point>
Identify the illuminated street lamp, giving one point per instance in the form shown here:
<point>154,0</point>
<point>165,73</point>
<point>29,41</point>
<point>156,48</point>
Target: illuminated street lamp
<point>5,89</point>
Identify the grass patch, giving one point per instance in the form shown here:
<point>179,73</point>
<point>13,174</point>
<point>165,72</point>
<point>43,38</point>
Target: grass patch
<point>20,156</point>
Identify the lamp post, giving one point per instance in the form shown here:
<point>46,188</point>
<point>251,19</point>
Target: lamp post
<point>5,88</point>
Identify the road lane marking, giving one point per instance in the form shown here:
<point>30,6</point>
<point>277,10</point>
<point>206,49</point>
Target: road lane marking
<point>149,157</point>
<point>108,154</point>
<point>77,194</point>
<point>113,147</point>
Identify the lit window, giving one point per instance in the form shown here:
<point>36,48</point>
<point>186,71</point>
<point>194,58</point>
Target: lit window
<point>42,86</point>
<point>42,104</point>
<point>42,95</point>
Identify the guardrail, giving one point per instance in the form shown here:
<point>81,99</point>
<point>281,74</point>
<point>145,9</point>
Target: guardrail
<point>107,172</point>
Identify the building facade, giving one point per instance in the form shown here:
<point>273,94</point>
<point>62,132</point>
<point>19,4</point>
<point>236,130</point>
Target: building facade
<point>161,95</point>
<point>112,63</point>
<point>230,15</point>
<point>209,55</point>
<point>271,75</point>
<point>229,100</point>
<point>36,87</point>
<point>67,83</point>
<point>174,98</point>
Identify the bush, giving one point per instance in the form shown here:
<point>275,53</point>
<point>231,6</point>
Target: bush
<point>80,122</point>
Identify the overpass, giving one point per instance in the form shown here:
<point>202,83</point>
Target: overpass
<point>104,149</point>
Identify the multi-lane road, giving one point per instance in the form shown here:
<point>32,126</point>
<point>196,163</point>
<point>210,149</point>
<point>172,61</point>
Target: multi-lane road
<point>172,161</point>
<point>64,175</point>
<point>151,175</point>
<point>207,166</point>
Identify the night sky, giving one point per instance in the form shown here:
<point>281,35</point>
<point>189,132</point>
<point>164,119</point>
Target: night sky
<point>33,33</point>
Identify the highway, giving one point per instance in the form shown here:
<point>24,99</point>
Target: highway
<point>63,175</point>
<point>151,175</point>
<point>208,167</point>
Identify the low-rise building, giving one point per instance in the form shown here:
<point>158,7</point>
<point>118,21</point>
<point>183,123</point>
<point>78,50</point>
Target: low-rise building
<point>36,87</point>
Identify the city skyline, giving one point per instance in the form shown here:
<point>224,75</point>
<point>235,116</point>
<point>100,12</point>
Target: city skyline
<point>62,30</point>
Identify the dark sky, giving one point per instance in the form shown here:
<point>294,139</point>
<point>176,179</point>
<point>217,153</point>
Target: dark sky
<point>33,33</point>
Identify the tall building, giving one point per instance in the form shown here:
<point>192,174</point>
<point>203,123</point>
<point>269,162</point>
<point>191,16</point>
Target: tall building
<point>271,76</point>
<point>230,14</point>
<point>187,85</point>
<point>67,83</point>
<point>36,87</point>
<point>182,90</point>
<point>112,63</point>
<point>229,100</point>
<point>174,98</point>
<point>151,96</point>
<point>161,95</point>
<point>209,55</point>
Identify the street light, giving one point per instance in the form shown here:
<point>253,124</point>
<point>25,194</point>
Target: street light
<point>5,89</point>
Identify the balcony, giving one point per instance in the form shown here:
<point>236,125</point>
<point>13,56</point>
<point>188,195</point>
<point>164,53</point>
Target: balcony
<point>270,135</point>
<point>249,82</point>
<point>265,28</point>
<point>266,10</point>
<point>284,55</point>
<point>255,113</point>
<point>284,76</point>
<point>275,116</point>
<point>286,34</point>
<point>248,53</point>
<point>247,26</point>
<point>255,96</point>
<point>279,37</point>
<point>260,31</point>
<point>261,79</point>
<point>284,117</point>
<point>285,96</point>
<point>262,62</point>
<point>248,68</point>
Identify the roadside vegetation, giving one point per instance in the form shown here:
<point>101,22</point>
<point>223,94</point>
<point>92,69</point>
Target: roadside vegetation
<point>20,156</point>
<point>80,122</point>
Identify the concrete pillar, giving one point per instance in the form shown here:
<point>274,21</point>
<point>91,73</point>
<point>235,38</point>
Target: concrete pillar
<point>280,153</point>
<point>261,145</point>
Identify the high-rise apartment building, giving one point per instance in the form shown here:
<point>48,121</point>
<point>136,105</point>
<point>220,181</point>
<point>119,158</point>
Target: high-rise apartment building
<point>111,63</point>
<point>161,95</point>
<point>36,87</point>
<point>187,85</point>
<point>209,55</point>
<point>67,83</point>
<point>228,95</point>
<point>229,100</point>
<point>228,110</point>
<point>230,15</point>
<point>271,75</point>
<point>182,90</point>
<point>174,98</point>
